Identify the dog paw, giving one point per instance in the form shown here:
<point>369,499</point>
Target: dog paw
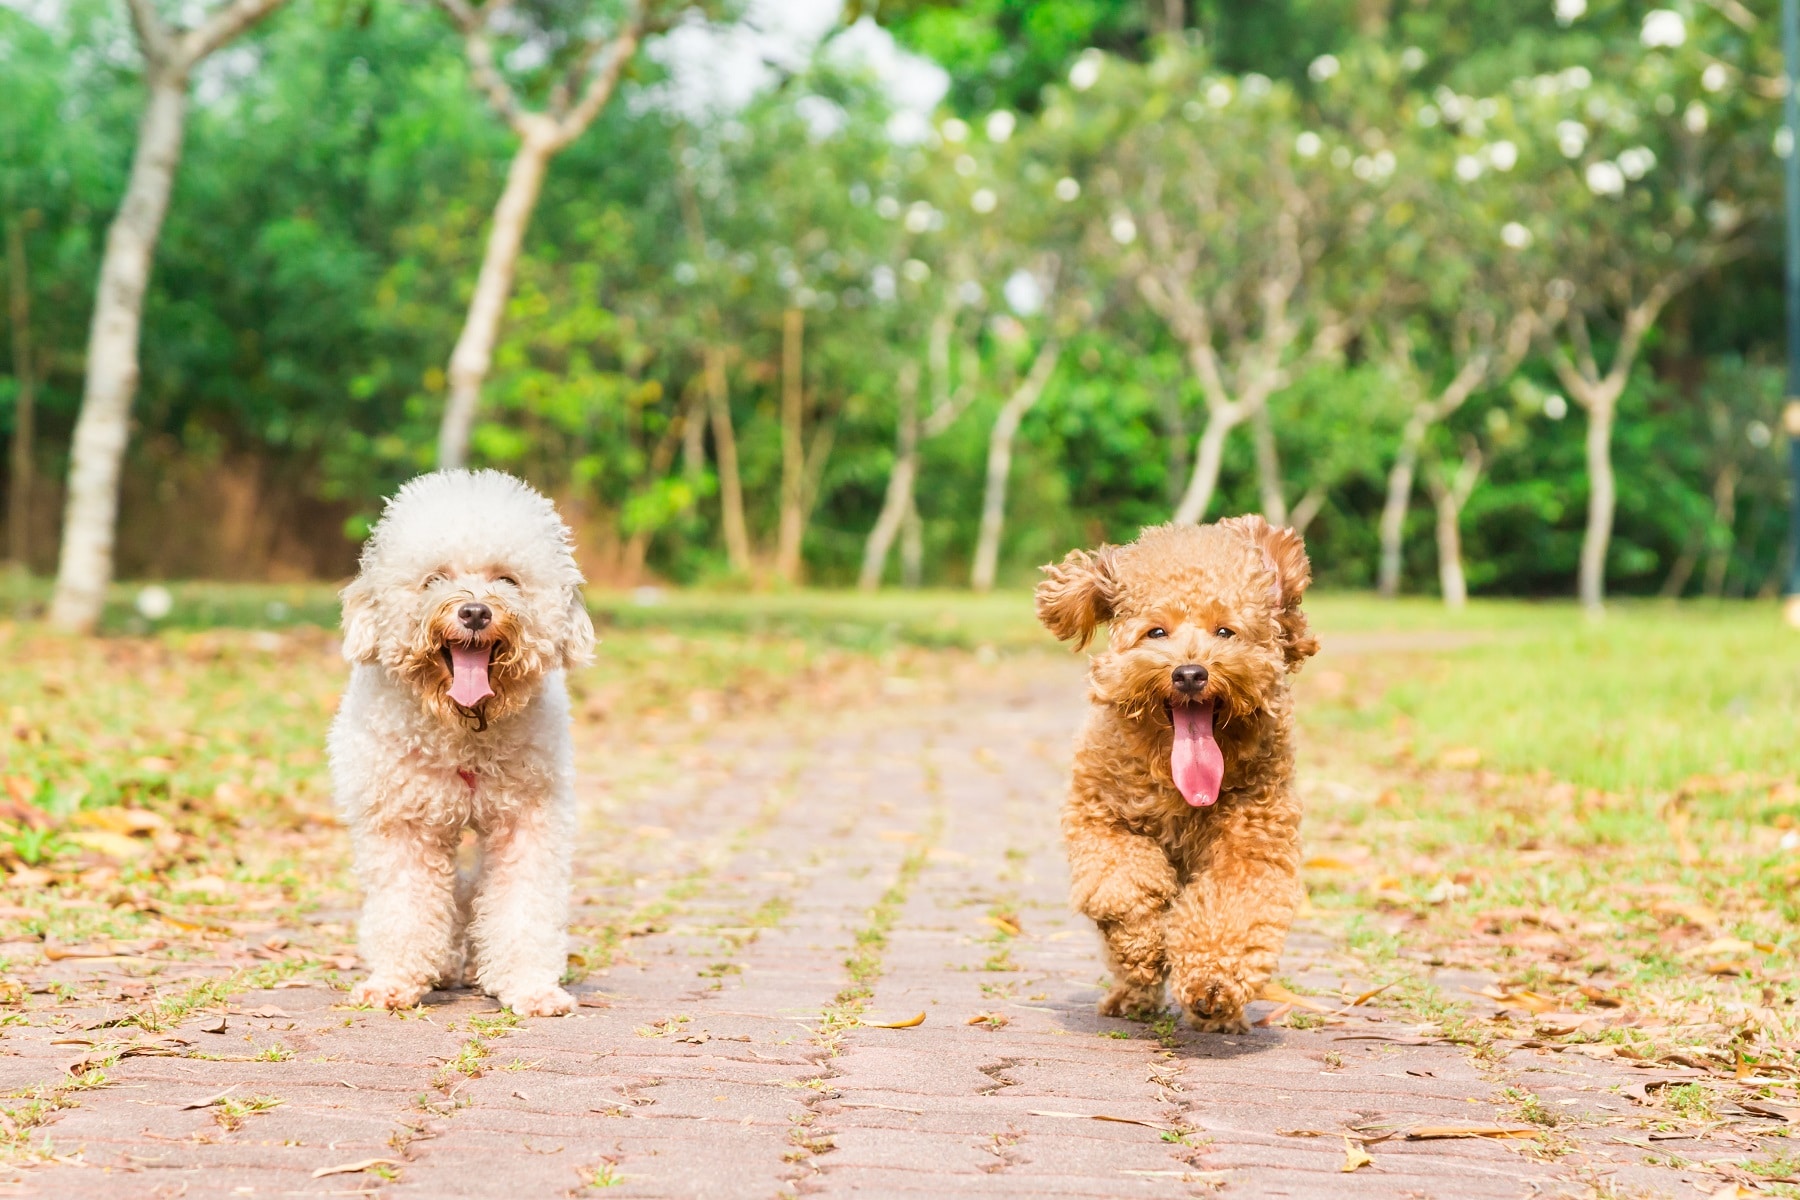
<point>377,992</point>
<point>1215,1004</point>
<point>1132,1000</point>
<point>540,1002</point>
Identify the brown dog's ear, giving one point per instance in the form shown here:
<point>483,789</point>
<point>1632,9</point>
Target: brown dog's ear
<point>1077,595</point>
<point>1283,556</point>
<point>360,639</point>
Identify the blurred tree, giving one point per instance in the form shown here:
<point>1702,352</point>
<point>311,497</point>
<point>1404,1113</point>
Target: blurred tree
<point>170,53</point>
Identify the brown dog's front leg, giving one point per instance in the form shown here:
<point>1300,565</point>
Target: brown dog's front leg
<point>1224,932</point>
<point>1123,882</point>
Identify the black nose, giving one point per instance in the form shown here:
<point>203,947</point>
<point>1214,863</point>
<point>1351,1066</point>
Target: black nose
<point>1190,678</point>
<point>475,618</point>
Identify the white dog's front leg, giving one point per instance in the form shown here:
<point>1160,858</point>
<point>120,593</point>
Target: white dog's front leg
<point>409,917</point>
<point>519,930</point>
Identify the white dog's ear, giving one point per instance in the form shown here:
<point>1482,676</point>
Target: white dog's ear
<point>578,632</point>
<point>360,639</point>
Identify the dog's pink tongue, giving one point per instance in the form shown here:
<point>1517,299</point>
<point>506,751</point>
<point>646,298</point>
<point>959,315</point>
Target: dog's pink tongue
<point>1197,762</point>
<point>469,674</point>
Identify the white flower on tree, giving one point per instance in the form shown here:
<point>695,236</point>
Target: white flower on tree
<point>1569,11</point>
<point>1571,138</point>
<point>1468,168</point>
<point>1086,71</point>
<point>1515,236</point>
<point>1000,125</point>
<point>1695,118</point>
<point>1412,58</point>
<point>1503,155</point>
<point>955,131</point>
<point>1218,94</point>
<point>1124,230</point>
<point>1322,68</point>
<point>1663,27</point>
<point>1024,295</point>
<point>1308,144</point>
<point>1067,189</point>
<point>1636,162</point>
<point>1605,179</point>
<point>984,200</point>
<point>1715,77</point>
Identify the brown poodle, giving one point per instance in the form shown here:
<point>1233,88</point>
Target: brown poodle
<point>1181,823</point>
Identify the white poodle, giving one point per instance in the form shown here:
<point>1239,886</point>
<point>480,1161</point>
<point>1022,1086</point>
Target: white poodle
<point>465,614</point>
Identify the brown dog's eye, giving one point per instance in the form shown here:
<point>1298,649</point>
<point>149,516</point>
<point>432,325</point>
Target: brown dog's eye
<point>1223,632</point>
<point>1159,631</point>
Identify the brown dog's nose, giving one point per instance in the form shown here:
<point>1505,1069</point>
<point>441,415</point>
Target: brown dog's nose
<point>1190,679</point>
<point>475,618</point>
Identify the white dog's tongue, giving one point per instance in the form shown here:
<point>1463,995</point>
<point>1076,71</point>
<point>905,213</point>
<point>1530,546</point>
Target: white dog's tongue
<point>469,674</point>
<point>1196,762</point>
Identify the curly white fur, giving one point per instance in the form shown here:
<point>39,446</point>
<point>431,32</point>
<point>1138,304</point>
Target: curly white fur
<point>413,769</point>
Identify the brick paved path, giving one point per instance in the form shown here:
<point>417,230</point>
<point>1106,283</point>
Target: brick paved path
<point>756,883</point>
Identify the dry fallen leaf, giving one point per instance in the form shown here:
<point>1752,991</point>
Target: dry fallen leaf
<point>1369,995</point>
<point>1355,1156</point>
<point>353,1168</point>
<point>1603,998</point>
<point>1425,1133</point>
<point>1278,994</point>
<point>911,1022</point>
<point>213,1099</point>
<point>1531,1002</point>
<point>1072,1116</point>
<point>993,1020</point>
<point>1009,926</point>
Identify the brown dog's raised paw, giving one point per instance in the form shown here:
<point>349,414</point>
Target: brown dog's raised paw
<point>1132,1000</point>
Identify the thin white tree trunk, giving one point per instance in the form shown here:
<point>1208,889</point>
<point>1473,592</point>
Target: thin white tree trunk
<point>899,499</point>
<point>18,506</point>
<point>1306,508</point>
<point>792,529</point>
<point>1268,468</point>
<point>999,463</point>
<point>97,454</point>
<point>1718,555</point>
<point>1602,500</point>
<point>474,353</point>
<point>1399,498</point>
<point>912,542</point>
<point>1451,497</point>
<point>731,488</point>
<point>1208,458</point>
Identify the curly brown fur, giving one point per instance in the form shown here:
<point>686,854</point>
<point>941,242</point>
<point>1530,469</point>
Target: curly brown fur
<point>1198,896</point>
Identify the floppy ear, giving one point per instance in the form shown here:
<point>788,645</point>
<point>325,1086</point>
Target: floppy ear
<point>361,642</point>
<point>1283,556</point>
<point>1077,595</point>
<point>577,641</point>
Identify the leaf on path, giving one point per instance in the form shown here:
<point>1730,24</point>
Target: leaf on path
<point>993,1020</point>
<point>1762,1108</point>
<point>917,1112</point>
<point>1425,1133</point>
<point>1280,995</point>
<point>1699,915</point>
<point>911,1022</point>
<point>1355,1156</point>
<point>1521,998</point>
<point>268,1012</point>
<point>213,1099</point>
<point>355,1167</point>
<point>1723,947</point>
<point>1070,1116</point>
<point>1327,862</point>
<point>1603,998</point>
<point>1303,1133</point>
<point>214,1025</point>
<point>1370,995</point>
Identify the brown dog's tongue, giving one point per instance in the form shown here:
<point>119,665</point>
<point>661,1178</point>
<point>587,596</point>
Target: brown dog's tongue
<point>469,674</point>
<point>1197,763</point>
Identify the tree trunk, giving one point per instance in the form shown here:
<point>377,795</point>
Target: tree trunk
<point>97,453</point>
<point>899,500</point>
<point>1602,499</point>
<point>1268,469</point>
<point>474,352</point>
<point>1718,555</point>
<point>912,542</point>
<point>18,507</point>
<point>1306,509</point>
<point>1399,499</point>
<point>1449,542</point>
<point>731,489</point>
<point>793,452</point>
<point>1207,461</point>
<point>999,464</point>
